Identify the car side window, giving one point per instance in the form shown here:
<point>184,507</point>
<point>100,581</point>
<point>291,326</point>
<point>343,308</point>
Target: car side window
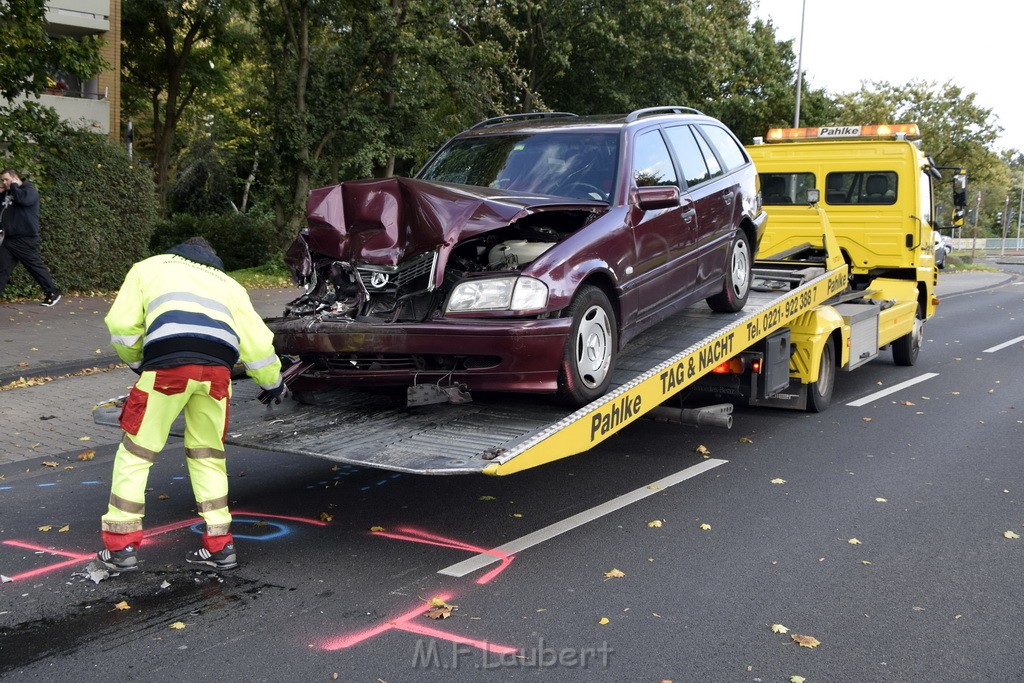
<point>714,167</point>
<point>652,164</point>
<point>695,170</point>
<point>861,187</point>
<point>729,150</point>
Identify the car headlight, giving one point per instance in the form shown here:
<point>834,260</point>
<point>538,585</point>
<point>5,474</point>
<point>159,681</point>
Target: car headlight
<point>512,293</point>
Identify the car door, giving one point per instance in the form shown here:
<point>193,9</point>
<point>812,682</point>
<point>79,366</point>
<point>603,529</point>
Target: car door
<point>662,237</point>
<point>717,208</point>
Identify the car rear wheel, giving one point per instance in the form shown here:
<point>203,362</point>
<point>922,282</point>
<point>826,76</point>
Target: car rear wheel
<point>590,349</point>
<point>736,287</point>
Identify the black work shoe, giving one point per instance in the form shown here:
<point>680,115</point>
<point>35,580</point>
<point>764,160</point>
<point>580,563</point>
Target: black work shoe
<point>126,560</point>
<point>51,299</point>
<point>221,560</point>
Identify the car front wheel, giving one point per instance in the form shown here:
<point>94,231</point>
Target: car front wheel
<point>736,287</point>
<point>590,349</point>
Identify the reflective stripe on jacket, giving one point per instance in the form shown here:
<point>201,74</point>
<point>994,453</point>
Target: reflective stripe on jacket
<point>171,302</point>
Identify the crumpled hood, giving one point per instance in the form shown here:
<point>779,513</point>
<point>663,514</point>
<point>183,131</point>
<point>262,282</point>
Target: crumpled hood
<point>383,222</point>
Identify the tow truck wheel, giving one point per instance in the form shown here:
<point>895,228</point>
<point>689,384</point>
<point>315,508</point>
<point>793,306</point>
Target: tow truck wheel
<point>906,348</point>
<point>590,349</point>
<point>736,287</point>
<point>819,394</point>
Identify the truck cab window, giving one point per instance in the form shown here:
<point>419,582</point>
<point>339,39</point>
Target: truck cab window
<point>785,188</point>
<point>861,187</point>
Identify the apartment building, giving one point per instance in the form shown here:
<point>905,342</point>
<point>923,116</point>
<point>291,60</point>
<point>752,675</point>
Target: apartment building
<point>96,103</point>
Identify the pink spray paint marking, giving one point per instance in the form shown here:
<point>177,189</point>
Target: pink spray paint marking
<point>149,535</point>
<point>403,623</point>
<point>426,538</point>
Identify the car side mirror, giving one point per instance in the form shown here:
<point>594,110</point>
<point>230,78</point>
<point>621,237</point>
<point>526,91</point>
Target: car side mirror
<point>655,197</point>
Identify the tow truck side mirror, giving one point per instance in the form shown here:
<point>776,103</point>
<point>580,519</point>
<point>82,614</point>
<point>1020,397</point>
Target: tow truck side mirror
<point>813,196</point>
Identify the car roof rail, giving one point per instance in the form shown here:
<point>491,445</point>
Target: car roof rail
<point>651,111</point>
<point>528,115</point>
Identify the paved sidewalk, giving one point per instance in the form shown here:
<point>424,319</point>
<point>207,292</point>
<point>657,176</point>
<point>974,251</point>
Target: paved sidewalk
<point>51,418</point>
<point>52,421</point>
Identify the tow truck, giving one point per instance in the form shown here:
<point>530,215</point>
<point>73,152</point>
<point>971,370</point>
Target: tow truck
<point>824,298</point>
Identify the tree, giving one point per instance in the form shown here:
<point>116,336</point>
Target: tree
<point>30,56</point>
<point>170,54</point>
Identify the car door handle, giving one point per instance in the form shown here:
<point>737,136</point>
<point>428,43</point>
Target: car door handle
<point>728,197</point>
<point>687,210</point>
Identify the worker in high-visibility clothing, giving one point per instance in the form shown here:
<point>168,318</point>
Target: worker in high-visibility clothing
<point>182,323</point>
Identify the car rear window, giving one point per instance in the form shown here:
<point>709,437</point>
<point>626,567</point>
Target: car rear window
<point>577,165</point>
<point>860,187</point>
<point>729,150</point>
<point>785,188</point>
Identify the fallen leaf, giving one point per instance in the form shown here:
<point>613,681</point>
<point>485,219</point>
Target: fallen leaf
<point>604,620</point>
<point>796,679</point>
<point>867,419</point>
<point>654,524</point>
<point>85,438</point>
<point>705,527</point>
<point>653,487</point>
<point>864,562</point>
<point>615,574</point>
<point>377,529</point>
<point>442,612</point>
<point>87,455</point>
<point>805,641</point>
<point>178,625</point>
<point>69,467</point>
<point>63,529</point>
<point>779,628</point>
<point>1010,534</point>
<point>744,439</point>
<point>702,449</point>
<point>326,517</point>
<point>123,605</point>
<point>49,463</point>
<point>854,541</point>
<point>437,602</point>
<point>778,480</point>
<point>906,403</point>
<point>517,515</point>
<point>487,498</point>
<point>47,527</point>
<point>881,500</point>
<point>164,496</point>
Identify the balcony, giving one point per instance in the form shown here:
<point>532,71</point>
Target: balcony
<point>91,112</point>
<point>77,17</point>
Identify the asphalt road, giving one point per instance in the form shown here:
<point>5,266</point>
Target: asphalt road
<point>927,479</point>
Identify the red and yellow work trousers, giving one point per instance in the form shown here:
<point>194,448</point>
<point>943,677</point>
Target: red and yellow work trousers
<point>159,396</point>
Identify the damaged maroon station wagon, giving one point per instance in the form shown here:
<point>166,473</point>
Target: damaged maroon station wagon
<point>523,255</point>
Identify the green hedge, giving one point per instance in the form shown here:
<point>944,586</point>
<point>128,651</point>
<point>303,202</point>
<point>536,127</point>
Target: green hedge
<point>242,240</point>
<point>97,210</point>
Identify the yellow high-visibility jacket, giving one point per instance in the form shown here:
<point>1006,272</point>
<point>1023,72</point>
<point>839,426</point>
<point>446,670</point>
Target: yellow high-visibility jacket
<point>172,310</point>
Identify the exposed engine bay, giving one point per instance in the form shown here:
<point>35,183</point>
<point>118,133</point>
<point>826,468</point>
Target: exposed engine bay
<point>410,280</point>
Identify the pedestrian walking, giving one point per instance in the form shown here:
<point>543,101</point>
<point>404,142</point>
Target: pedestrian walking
<point>19,234</point>
<point>182,324</point>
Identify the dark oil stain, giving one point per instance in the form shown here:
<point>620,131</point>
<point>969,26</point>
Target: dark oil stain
<point>97,621</point>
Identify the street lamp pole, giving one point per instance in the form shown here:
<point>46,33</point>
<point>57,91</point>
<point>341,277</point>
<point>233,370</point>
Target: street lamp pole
<point>799,66</point>
<point>1020,205</point>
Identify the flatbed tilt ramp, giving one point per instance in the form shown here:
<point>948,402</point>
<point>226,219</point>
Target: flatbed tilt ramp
<point>502,434</point>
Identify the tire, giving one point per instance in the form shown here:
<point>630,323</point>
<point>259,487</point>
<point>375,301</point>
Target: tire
<point>736,287</point>
<point>819,393</point>
<point>906,349</point>
<point>591,348</point>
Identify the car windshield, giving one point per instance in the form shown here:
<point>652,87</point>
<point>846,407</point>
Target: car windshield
<point>576,165</point>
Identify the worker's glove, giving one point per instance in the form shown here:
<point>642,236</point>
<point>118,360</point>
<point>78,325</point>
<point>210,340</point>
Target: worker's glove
<point>277,394</point>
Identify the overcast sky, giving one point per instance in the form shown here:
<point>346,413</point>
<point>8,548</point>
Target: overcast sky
<point>978,47</point>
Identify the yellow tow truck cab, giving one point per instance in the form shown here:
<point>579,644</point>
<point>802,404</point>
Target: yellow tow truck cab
<point>877,190</point>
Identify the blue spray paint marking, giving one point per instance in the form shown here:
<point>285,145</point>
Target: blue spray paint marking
<point>177,478</point>
<point>45,485</point>
<point>6,488</point>
<point>282,529</point>
<point>90,483</point>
